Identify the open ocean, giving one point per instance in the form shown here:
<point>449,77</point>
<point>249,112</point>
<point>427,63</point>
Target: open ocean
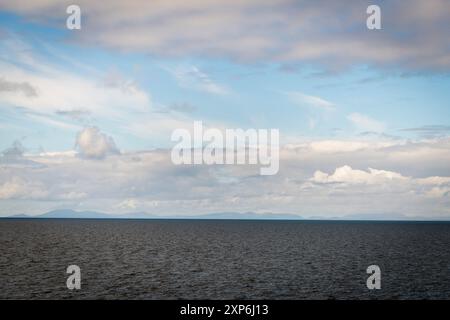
<point>220,259</point>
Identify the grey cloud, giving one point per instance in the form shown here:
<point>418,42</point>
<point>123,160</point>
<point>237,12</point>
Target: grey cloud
<point>15,151</point>
<point>182,107</point>
<point>409,178</point>
<point>74,114</point>
<point>14,156</point>
<point>23,87</point>
<point>414,34</point>
<point>430,130</point>
<point>115,79</point>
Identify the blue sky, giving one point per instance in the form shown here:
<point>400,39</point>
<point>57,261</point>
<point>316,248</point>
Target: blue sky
<point>254,94</point>
<point>138,75</point>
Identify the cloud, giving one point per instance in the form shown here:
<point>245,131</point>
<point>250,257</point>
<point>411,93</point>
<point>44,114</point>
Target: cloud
<point>17,188</point>
<point>93,144</point>
<point>429,130</point>
<point>308,183</point>
<point>182,107</point>
<point>48,120</point>
<point>346,174</point>
<point>22,87</point>
<point>14,152</point>
<point>323,32</point>
<point>365,123</point>
<point>434,181</point>
<point>128,204</point>
<point>340,146</point>
<point>438,192</point>
<point>385,181</point>
<point>311,101</point>
<point>59,86</point>
<point>192,77</point>
<point>108,100</point>
<point>14,156</point>
<point>80,115</point>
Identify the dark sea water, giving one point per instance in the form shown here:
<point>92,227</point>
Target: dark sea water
<point>201,259</point>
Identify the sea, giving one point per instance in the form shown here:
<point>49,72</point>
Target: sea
<point>223,259</point>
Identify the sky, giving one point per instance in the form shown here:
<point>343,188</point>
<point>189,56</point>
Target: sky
<point>86,115</point>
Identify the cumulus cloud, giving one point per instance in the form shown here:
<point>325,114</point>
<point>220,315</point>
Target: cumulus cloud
<point>382,181</point>
<point>323,32</point>
<point>94,144</point>
<point>346,174</point>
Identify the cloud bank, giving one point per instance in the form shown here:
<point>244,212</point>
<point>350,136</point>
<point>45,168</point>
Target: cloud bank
<point>323,32</point>
<point>405,178</point>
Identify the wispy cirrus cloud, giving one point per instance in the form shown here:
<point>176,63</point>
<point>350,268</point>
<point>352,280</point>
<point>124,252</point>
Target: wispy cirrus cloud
<point>310,101</point>
<point>429,130</point>
<point>193,78</point>
<point>365,123</point>
<point>68,100</point>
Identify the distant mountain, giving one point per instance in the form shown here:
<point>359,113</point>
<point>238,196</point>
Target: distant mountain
<point>19,216</point>
<point>67,213</point>
<point>72,214</point>
<point>376,217</point>
<point>249,216</point>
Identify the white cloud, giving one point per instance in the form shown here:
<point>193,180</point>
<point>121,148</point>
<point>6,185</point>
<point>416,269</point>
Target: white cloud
<point>339,146</point>
<point>128,204</point>
<point>365,123</point>
<point>434,181</point>
<point>92,143</point>
<point>60,91</point>
<point>48,121</point>
<point>346,174</point>
<point>438,192</point>
<point>310,101</point>
<point>193,77</point>
<point>310,183</point>
<point>109,99</point>
<point>18,188</point>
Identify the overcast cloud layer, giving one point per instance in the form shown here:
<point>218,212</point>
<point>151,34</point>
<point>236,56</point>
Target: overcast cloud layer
<point>326,32</point>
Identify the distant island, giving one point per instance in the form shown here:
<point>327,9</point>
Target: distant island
<point>72,214</point>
